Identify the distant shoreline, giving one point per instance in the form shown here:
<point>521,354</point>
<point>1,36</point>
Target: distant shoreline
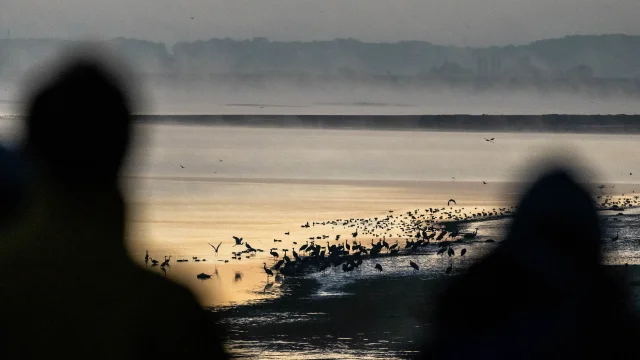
<point>552,123</point>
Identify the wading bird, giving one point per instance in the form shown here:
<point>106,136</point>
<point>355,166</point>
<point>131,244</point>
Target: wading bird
<point>615,238</point>
<point>267,271</point>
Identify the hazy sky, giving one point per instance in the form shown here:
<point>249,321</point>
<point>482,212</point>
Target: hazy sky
<point>457,22</point>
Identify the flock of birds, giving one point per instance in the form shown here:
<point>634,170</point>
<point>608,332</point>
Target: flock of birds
<point>419,230</point>
<point>432,227</point>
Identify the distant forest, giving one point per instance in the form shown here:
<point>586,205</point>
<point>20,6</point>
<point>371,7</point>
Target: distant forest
<point>610,57</point>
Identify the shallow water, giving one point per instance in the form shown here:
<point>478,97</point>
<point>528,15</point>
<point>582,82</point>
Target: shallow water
<point>271,181</point>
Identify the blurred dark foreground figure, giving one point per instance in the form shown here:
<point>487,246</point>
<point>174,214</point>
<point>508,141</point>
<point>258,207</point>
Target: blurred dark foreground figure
<point>543,294</point>
<point>67,286</point>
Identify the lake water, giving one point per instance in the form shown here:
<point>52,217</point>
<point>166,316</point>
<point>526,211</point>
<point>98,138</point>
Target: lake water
<point>193,185</point>
<point>190,185</point>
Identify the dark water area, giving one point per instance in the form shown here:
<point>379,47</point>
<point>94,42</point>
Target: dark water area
<point>385,315</point>
<point>552,123</point>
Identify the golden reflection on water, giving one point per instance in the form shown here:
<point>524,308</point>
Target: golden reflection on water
<point>183,226</point>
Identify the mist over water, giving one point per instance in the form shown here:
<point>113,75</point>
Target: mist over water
<point>324,154</point>
<point>344,98</point>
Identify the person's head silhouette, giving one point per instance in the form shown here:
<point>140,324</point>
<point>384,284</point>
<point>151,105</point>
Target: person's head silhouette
<point>542,293</point>
<point>79,124</point>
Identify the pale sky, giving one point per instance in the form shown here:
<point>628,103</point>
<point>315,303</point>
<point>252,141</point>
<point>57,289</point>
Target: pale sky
<point>447,22</point>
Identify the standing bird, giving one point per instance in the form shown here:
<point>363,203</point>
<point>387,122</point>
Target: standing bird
<point>216,247</point>
<point>615,238</point>
<point>451,252</point>
<point>378,267</point>
<point>414,265</point>
<point>166,261</point>
<point>304,247</point>
<point>463,251</point>
<point>267,271</point>
<point>278,265</point>
<point>451,201</point>
<point>146,258</point>
<point>274,254</point>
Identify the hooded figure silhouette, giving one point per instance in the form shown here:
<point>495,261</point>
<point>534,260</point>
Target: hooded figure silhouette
<point>67,287</point>
<point>543,292</point>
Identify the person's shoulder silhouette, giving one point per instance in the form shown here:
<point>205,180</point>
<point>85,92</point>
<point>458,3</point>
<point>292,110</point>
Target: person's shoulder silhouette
<point>68,287</point>
<point>543,292</point>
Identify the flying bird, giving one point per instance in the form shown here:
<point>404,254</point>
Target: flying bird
<point>489,140</point>
<point>484,182</point>
<point>203,276</point>
<point>238,240</point>
<point>182,166</point>
<point>216,247</point>
<point>451,201</point>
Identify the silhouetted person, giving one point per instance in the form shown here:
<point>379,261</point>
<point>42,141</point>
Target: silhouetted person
<point>543,292</point>
<point>13,174</point>
<point>67,287</point>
